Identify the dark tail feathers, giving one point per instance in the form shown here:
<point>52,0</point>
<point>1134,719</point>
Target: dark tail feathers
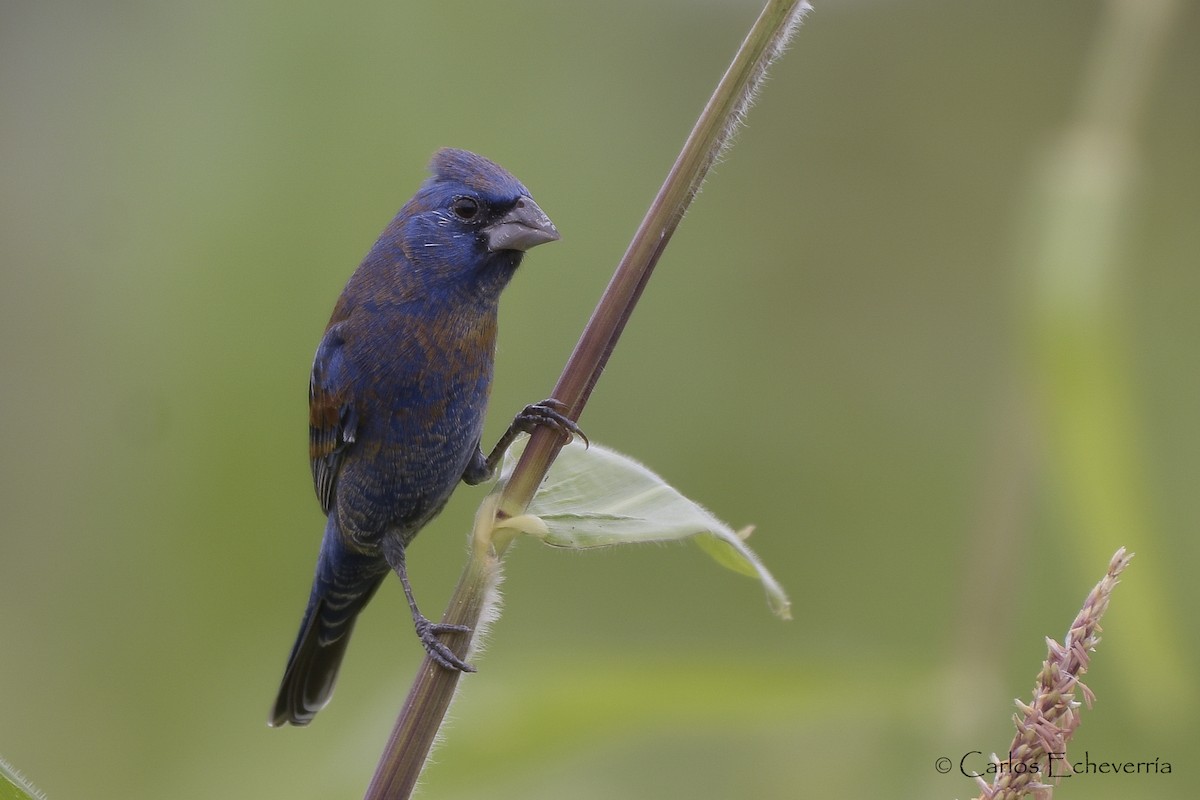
<point>344,583</point>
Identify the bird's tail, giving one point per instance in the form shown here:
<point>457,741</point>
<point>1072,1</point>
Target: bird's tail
<point>344,583</point>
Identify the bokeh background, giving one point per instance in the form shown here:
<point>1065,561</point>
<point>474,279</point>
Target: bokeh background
<point>932,326</point>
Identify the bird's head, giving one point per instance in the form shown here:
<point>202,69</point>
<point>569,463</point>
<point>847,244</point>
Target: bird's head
<point>471,222</point>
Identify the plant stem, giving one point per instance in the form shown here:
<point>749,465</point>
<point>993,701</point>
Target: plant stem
<point>431,693</point>
<point>710,136</point>
<point>429,698</point>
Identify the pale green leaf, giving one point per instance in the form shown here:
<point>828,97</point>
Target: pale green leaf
<point>596,497</point>
<point>14,786</point>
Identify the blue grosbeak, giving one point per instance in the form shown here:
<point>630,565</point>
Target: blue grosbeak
<point>397,397</point>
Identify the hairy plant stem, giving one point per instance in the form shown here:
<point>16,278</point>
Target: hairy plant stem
<point>431,693</point>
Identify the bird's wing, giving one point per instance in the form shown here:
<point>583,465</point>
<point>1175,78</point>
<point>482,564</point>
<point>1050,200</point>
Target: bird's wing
<point>332,419</point>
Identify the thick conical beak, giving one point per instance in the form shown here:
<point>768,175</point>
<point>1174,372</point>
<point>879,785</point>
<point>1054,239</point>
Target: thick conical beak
<point>524,227</point>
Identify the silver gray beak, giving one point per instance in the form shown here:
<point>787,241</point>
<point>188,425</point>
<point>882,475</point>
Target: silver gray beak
<point>524,227</point>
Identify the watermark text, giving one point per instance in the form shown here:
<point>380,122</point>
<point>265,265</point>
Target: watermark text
<point>974,764</point>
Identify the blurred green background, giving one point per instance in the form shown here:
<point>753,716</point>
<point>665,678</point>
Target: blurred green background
<point>932,326</point>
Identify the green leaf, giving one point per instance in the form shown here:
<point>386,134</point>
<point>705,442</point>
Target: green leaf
<point>596,497</point>
<point>13,785</point>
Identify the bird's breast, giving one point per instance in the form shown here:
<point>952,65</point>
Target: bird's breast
<point>423,395</point>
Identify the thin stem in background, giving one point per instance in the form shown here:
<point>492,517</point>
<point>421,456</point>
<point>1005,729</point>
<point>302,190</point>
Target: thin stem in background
<point>1078,367</point>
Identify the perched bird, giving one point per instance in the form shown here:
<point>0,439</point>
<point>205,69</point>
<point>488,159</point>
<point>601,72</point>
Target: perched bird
<point>397,396</point>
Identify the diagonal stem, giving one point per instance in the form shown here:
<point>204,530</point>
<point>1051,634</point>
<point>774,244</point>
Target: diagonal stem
<point>429,698</point>
<point>709,138</point>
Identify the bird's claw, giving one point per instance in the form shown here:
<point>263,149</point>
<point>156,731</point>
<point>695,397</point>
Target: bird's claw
<point>427,632</point>
<point>549,414</point>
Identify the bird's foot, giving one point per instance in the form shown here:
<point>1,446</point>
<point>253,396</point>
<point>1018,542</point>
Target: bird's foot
<point>427,632</point>
<point>549,414</point>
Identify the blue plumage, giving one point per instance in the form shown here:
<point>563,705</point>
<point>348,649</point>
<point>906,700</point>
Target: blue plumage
<point>397,397</point>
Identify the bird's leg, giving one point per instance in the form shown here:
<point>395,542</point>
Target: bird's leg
<point>427,630</point>
<point>548,413</point>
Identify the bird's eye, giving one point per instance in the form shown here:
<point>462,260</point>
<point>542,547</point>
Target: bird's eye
<point>465,208</point>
